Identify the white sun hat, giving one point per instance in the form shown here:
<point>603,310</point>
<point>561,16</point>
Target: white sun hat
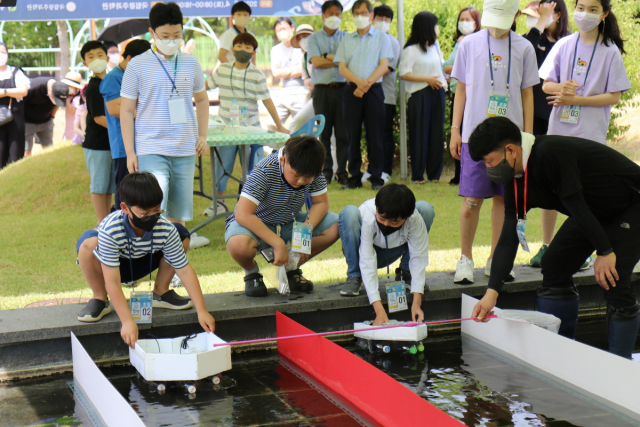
<point>499,13</point>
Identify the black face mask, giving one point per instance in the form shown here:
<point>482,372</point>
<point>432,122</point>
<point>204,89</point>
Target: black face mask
<point>386,230</point>
<point>145,224</point>
<point>503,173</point>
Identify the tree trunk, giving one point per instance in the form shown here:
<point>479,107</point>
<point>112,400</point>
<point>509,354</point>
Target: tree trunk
<point>63,39</point>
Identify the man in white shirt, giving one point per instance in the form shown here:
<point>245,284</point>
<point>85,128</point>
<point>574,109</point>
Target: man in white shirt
<point>286,65</point>
<point>375,235</point>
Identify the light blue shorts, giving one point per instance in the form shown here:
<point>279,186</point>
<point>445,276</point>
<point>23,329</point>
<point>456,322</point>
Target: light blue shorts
<point>285,230</point>
<point>175,176</point>
<point>101,170</point>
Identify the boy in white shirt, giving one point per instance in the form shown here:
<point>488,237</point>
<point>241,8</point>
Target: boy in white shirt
<point>381,230</point>
<point>241,14</point>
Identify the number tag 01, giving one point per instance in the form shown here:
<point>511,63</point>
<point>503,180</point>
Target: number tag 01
<point>141,305</point>
<point>301,239</point>
<point>396,297</point>
<point>498,105</point>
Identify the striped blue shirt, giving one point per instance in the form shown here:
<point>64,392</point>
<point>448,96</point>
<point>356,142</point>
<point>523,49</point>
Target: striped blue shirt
<point>145,80</point>
<point>319,44</point>
<point>363,54</point>
<point>247,86</point>
<point>116,240</point>
<point>276,201</point>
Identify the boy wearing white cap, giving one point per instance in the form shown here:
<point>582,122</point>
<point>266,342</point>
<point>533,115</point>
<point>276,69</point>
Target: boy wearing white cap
<point>496,70</point>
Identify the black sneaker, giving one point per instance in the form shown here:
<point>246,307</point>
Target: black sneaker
<point>95,310</point>
<point>352,184</point>
<point>404,275</point>
<point>298,283</point>
<point>254,285</point>
<point>172,301</point>
<point>352,287</point>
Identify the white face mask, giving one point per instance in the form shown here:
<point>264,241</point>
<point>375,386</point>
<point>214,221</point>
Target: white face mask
<point>382,26</point>
<point>168,46</point>
<point>3,59</point>
<point>241,21</point>
<point>361,22</point>
<point>532,22</point>
<point>114,58</point>
<point>466,27</point>
<point>586,21</point>
<point>304,44</point>
<point>332,22</point>
<point>284,35</point>
<point>98,65</point>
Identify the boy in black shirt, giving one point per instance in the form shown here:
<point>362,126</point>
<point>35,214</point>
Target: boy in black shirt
<point>595,186</point>
<point>97,151</point>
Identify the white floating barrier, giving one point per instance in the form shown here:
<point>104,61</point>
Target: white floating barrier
<point>407,333</point>
<point>164,359</point>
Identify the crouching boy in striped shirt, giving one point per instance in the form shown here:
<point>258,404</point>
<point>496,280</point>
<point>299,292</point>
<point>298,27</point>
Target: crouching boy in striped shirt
<point>131,243</point>
<point>269,207</point>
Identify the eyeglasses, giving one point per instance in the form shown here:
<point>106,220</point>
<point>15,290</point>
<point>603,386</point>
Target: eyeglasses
<point>168,42</point>
<point>146,217</point>
<point>365,13</point>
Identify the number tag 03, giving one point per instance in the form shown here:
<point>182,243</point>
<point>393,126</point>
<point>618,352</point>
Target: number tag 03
<point>520,230</point>
<point>570,114</point>
<point>301,239</point>
<point>498,105</point>
<point>396,297</point>
<point>141,305</point>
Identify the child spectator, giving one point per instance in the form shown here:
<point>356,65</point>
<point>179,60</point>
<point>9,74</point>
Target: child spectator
<point>269,207</point>
<point>496,70</point>
<point>97,152</point>
<point>241,14</point>
<point>131,243</point>
<point>110,90</point>
<point>381,230</point>
<point>244,82</point>
<point>363,58</point>
<point>80,121</point>
<point>328,89</point>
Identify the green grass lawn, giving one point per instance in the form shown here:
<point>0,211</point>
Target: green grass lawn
<point>45,205</point>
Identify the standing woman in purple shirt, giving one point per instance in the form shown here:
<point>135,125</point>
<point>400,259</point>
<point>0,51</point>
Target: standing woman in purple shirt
<point>548,22</point>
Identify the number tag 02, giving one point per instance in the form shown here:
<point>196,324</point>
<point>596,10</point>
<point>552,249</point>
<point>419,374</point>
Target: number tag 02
<point>520,230</point>
<point>498,105</point>
<point>141,305</point>
<point>301,239</point>
<point>570,114</point>
<point>396,297</point>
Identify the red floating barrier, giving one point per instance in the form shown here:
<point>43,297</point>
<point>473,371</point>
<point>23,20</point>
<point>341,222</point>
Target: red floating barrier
<point>367,391</point>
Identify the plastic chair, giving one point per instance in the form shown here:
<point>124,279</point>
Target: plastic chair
<point>313,127</point>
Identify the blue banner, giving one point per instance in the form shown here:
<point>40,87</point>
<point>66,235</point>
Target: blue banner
<point>57,10</point>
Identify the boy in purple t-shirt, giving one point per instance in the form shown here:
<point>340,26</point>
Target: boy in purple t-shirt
<point>496,70</point>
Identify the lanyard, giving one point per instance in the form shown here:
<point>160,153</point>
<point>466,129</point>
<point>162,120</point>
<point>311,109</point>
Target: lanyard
<point>305,202</point>
<point>491,62</point>
<point>575,53</point>
<point>386,255</point>
<point>130,247</point>
<point>237,30</point>
<point>244,80</point>
<point>515,188</point>
<point>175,71</point>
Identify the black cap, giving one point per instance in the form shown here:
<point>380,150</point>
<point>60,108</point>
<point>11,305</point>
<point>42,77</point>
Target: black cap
<point>60,92</point>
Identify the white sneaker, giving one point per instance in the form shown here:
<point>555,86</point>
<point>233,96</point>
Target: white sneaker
<point>487,272</point>
<point>385,177</point>
<point>464,271</point>
<point>365,177</point>
<point>198,241</point>
<point>222,208</point>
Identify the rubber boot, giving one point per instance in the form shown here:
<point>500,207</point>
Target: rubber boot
<point>623,325</point>
<point>563,303</point>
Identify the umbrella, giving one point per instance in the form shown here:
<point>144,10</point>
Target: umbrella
<point>120,30</point>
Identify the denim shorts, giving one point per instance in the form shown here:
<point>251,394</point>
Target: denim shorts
<point>101,171</point>
<point>175,176</point>
<point>285,230</point>
<point>140,267</point>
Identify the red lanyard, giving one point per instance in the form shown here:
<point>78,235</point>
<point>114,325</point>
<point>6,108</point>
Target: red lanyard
<point>515,188</point>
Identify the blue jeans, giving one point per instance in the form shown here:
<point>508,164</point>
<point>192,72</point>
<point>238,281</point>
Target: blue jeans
<point>228,157</point>
<point>350,224</point>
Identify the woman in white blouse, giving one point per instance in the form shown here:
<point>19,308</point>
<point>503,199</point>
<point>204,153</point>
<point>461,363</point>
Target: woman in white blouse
<point>421,70</point>
<point>14,86</point>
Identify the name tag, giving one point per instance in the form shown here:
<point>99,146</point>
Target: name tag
<point>177,111</point>
<point>498,105</point>
<point>301,239</point>
<point>570,114</point>
<point>520,230</point>
<point>396,297</point>
<point>141,305</point>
